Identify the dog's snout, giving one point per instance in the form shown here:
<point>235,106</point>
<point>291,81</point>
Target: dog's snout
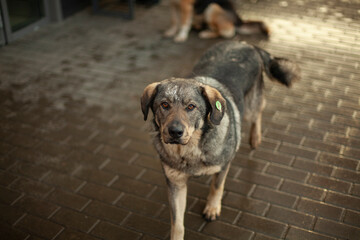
<point>176,130</point>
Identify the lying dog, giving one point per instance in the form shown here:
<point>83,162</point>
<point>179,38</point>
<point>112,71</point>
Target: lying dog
<point>197,121</point>
<point>219,16</point>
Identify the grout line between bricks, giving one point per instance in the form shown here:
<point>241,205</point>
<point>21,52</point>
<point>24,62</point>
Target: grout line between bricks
<point>76,170</point>
<point>92,136</point>
<point>133,158</point>
<point>202,226</point>
<point>237,218</point>
<point>151,192</point>
<point>286,231</point>
<point>143,171</point>
<point>282,180</point>
<point>98,148</point>
<point>266,209</point>
<point>93,226</point>
<point>116,177</point>
<point>159,211</point>
<point>17,199</point>
<point>193,204</point>
<point>45,175</point>
<point>80,186</point>
<point>106,162</point>
<point>56,235</point>
<point>314,223</point>
<point>125,219</point>
<point>342,215</point>
<point>252,189</point>
<point>54,212</point>
<point>125,144</point>
<point>19,219</point>
<point>297,200</point>
<point>118,198</point>
<point>85,205</point>
<point>120,130</point>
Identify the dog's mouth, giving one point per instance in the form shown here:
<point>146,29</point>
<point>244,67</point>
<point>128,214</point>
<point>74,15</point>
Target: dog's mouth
<point>175,141</point>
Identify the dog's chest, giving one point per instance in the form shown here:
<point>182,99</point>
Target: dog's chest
<point>187,158</point>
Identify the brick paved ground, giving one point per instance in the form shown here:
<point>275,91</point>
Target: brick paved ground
<point>76,162</point>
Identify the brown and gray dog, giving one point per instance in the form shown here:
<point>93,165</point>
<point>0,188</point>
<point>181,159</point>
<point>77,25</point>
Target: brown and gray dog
<point>197,121</point>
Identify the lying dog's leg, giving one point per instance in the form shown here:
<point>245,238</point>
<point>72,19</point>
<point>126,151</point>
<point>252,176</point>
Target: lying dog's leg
<point>177,189</point>
<point>213,206</point>
<point>255,131</point>
<point>186,15</point>
<point>207,34</point>
<point>175,9</point>
<point>219,23</point>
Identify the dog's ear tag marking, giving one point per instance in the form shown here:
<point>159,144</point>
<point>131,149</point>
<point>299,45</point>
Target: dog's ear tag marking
<point>218,105</point>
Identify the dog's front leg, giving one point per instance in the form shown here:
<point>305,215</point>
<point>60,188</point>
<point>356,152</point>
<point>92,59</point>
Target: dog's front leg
<point>186,16</point>
<point>177,191</point>
<point>213,206</point>
<point>175,11</point>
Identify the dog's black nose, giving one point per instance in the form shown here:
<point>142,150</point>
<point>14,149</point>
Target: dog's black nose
<point>176,130</point>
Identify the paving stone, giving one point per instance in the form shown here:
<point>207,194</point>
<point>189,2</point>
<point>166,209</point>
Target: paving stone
<point>40,227</point>
<point>73,219</point>
<point>290,216</point>
<point>147,225</point>
<point>298,234</point>
<point>337,229</point>
<point>226,231</point>
<point>276,197</point>
<point>263,225</point>
<point>114,232</point>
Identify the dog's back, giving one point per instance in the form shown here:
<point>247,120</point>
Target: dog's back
<point>239,66</point>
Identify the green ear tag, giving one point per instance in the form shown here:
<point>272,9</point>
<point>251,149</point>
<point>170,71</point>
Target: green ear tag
<point>218,105</point>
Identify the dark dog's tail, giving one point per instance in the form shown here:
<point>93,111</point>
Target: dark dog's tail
<point>280,69</point>
<point>252,27</point>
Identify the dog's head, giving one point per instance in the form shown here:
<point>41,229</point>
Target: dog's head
<point>181,107</point>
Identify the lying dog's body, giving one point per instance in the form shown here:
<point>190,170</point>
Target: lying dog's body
<point>219,17</point>
<point>197,121</point>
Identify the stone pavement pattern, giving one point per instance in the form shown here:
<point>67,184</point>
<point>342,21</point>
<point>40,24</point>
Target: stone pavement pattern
<point>76,161</point>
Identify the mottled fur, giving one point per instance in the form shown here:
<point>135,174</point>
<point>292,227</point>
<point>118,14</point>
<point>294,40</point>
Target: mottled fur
<point>194,141</point>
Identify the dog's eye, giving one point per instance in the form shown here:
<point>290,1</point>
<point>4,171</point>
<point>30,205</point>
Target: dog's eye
<point>165,105</point>
<point>190,107</point>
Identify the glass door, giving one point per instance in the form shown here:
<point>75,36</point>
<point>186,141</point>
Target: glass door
<point>22,16</point>
<point>22,13</point>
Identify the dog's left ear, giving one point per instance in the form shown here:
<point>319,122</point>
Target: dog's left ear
<point>148,97</point>
<point>217,103</point>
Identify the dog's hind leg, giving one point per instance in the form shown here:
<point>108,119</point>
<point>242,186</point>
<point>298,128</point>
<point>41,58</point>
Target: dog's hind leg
<point>254,105</point>
<point>213,206</point>
<point>255,130</point>
<point>177,190</point>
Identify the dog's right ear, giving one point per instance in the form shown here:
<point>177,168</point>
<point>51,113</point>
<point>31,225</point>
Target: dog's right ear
<point>148,97</point>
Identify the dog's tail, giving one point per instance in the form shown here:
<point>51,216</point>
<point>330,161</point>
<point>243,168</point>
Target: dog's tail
<point>252,27</point>
<point>280,69</point>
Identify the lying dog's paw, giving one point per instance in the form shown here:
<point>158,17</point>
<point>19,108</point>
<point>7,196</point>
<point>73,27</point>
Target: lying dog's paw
<point>180,38</point>
<point>211,213</point>
<point>170,32</point>
<point>208,34</point>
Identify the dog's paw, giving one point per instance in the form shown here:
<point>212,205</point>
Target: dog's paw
<point>254,141</point>
<point>180,38</point>
<point>170,32</point>
<point>211,213</point>
<point>207,34</point>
